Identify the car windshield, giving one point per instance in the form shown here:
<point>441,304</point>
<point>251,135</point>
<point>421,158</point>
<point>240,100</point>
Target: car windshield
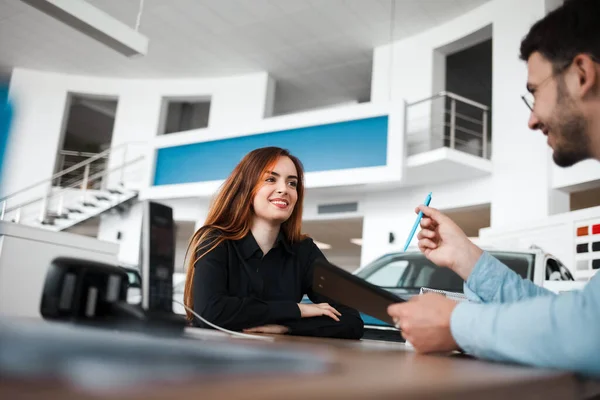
<point>414,271</point>
<point>134,278</point>
<point>179,288</point>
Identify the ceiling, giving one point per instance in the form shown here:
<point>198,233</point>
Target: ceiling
<point>471,219</point>
<point>319,51</point>
<point>337,233</point>
<point>586,198</point>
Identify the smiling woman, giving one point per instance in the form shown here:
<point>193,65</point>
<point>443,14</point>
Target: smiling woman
<point>249,265</point>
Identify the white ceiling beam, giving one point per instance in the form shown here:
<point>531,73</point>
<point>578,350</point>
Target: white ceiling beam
<point>94,23</point>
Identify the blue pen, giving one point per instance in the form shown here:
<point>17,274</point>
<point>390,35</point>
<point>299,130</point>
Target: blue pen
<point>414,228</point>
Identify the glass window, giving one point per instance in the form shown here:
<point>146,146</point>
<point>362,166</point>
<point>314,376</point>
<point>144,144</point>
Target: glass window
<point>566,274</point>
<point>184,115</point>
<point>179,287</point>
<point>411,271</point>
<point>521,263</point>
<point>414,271</point>
<point>556,271</point>
<point>134,278</point>
<point>552,270</point>
<point>390,275</point>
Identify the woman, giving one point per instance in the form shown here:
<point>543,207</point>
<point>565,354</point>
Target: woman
<point>251,266</point>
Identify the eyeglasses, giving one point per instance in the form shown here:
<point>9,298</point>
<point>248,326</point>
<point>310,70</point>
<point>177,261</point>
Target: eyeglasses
<point>529,98</point>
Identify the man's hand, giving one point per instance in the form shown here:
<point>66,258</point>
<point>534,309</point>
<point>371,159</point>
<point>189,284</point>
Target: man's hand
<point>425,322</point>
<point>445,244</point>
<point>274,329</point>
<point>317,310</point>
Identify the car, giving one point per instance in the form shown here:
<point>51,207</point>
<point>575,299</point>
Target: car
<point>134,289</point>
<point>405,273</point>
<point>178,296</point>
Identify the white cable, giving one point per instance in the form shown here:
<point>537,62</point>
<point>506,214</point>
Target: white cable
<point>233,333</point>
<point>139,16</point>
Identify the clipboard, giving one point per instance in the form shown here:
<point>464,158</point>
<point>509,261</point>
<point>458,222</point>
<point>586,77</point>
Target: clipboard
<point>342,287</point>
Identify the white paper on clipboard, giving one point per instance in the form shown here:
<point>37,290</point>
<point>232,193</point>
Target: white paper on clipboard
<point>451,295</point>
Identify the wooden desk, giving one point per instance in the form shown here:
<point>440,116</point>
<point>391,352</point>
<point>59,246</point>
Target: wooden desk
<point>360,370</point>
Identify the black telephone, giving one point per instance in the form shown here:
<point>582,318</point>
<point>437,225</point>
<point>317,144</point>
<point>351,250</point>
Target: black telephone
<point>89,292</point>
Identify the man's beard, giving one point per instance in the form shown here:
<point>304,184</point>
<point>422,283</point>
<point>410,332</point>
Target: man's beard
<point>569,128</point>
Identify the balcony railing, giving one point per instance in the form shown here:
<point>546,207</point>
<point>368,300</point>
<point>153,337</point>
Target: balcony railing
<point>448,120</point>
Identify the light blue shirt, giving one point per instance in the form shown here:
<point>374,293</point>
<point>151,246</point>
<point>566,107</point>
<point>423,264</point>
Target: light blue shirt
<point>518,321</point>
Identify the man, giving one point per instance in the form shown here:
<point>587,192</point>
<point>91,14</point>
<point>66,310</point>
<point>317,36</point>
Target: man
<point>516,320</point>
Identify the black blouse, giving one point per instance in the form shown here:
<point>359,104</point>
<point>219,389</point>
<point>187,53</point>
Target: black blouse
<point>235,287</point>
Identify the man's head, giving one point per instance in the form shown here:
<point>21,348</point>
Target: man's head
<point>563,60</point>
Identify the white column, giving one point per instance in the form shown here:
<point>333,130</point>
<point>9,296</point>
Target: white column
<point>124,228</point>
<point>40,109</point>
<point>521,188</point>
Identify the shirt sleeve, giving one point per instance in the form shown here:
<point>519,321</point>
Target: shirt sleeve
<point>493,282</point>
<point>559,331</point>
<point>213,302</point>
<point>350,326</point>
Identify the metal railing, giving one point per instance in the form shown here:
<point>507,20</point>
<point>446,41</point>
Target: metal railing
<point>448,120</point>
<point>68,158</point>
<point>82,176</point>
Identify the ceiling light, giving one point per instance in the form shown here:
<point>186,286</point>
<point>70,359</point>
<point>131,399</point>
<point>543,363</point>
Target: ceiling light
<point>357,241</point>
<point>322,246</point>
<point>94,23</point>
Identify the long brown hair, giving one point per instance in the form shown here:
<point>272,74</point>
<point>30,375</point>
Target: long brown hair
<point>230,214</point>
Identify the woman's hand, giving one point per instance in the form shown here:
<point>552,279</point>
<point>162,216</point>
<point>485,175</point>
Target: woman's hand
<point>274,329</point>
<point>317,310</point>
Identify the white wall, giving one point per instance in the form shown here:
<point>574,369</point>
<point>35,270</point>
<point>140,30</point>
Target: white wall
<point>523,174</point>
<point>527,206</point>
<point>129,223</point>
<point>522,187</point>
<point>392,172</point>
<point>138,119</point>
<point>393,211</point>
<point>26,254</point>
<point>38,120</point>
<point>555,234</point>
<point>40,103</point>
<point>314,198</point>
<point>578,177</point>
<point>522,160</point>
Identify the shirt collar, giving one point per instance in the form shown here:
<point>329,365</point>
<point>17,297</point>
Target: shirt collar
<point>249,247</point>
<point>282,240</point>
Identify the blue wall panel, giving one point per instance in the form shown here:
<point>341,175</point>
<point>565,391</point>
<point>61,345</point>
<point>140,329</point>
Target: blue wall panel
<point>342,145</point>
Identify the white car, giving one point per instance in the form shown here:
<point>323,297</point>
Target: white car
<point>178,296</point>
<point>134,291</point>
<point>405,274</point>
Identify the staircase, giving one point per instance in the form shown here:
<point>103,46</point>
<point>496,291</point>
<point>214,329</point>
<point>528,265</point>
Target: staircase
<point>79,192</point>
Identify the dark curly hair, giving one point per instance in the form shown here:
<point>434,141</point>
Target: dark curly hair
<point>571,29</point>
